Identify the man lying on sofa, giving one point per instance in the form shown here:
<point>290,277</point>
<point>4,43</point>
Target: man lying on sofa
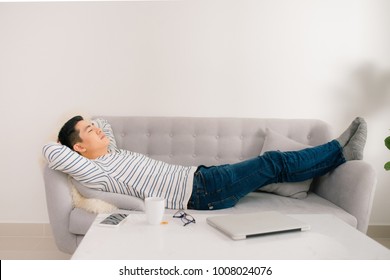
<point>87,151</point>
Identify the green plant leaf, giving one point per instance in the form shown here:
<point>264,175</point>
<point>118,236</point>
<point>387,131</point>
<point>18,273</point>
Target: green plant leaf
<point>387,142</point>
<point>387,166</point>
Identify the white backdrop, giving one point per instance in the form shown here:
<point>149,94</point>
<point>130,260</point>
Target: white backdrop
<point>267,58</point>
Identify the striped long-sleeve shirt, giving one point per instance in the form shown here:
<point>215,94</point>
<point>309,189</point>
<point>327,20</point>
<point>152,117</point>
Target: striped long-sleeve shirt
<point>125,172</point>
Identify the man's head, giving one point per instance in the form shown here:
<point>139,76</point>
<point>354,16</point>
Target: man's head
<point>68,134</point>
<point>84,137</point>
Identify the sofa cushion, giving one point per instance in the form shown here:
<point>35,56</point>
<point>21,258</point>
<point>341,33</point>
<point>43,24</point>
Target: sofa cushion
<point>262,201</point>
<point>275,141</point>
<point>313,204</point>
<point>80,220</point>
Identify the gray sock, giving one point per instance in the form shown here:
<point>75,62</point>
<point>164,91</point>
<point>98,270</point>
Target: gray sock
<point>349,132</point>
<point>353,150</point>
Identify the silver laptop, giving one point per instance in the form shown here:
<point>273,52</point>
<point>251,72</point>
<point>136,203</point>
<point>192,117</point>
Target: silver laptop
<point>241,226</point>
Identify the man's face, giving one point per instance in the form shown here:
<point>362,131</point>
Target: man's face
<point>93,138</point>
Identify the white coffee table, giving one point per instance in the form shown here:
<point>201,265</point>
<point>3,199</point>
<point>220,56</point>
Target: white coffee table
<point>329,238</point>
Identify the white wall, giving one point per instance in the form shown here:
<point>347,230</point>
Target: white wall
<point>268,58</point>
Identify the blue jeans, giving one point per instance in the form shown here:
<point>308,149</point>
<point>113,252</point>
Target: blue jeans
<point>218,187</point>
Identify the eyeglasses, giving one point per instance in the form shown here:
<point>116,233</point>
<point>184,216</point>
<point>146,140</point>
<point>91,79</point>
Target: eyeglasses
<point>185,218</point>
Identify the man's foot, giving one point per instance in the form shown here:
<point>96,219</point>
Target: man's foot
<point>354,147</point>
<point>349,132</point>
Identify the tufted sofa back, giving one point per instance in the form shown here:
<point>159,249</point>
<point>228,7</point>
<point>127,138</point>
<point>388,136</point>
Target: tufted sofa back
<point>209,141</point>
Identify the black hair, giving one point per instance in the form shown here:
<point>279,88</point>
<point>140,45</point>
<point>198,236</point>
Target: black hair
<point>68,134</point>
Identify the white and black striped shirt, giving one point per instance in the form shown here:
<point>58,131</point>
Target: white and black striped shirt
<point>125,172</point>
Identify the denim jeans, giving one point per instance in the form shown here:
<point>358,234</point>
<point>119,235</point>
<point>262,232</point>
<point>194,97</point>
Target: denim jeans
<point>218,187</point>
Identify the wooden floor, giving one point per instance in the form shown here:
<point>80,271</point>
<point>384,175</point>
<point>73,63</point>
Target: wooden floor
<point>30,248</point>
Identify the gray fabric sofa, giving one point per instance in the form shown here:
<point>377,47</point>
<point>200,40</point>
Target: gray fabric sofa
<point>347,192</point>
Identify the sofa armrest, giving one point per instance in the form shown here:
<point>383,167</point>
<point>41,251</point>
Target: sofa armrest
<point>350,186</point>
<point>59,204</point>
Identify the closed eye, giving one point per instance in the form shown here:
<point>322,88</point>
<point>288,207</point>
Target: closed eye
<point>91,126</point>
<point>88,129</point>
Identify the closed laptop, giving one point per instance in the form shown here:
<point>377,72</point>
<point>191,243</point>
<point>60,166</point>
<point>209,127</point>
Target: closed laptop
<point>241,226</point>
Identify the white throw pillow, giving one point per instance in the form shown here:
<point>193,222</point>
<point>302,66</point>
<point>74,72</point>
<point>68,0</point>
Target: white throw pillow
<point>273,142</point>
<point>92,205</point>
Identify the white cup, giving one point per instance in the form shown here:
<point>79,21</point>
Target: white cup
<point>154,207</point>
